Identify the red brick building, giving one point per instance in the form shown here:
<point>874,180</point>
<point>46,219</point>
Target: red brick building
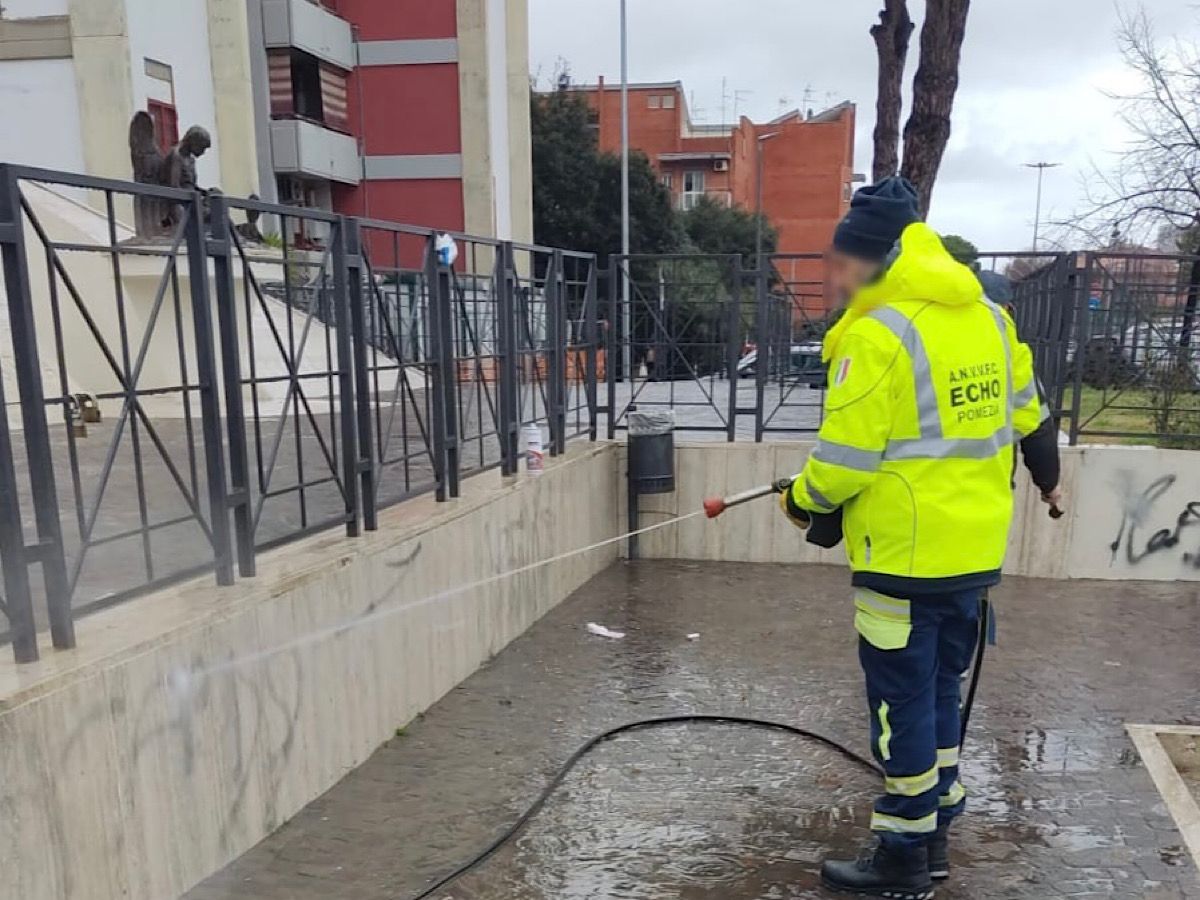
<point>807,161</point>
<point>401,110</point>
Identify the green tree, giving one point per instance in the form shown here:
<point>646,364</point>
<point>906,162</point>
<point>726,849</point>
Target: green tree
<point>961,249</point>
<point>577,189</point>
<point>565,187</point>
<point>715,228</point>
<point>654,226</point>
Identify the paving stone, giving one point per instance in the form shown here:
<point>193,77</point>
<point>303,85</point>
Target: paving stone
<point>1060,805</point>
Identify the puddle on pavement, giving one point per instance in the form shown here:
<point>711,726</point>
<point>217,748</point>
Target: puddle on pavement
<point>708,813</point>
<point>688,812</point>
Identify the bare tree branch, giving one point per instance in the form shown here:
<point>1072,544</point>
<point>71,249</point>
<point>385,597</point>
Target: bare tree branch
<point>934,87</point>
<point>1155,183</point>
<point>891,36</point>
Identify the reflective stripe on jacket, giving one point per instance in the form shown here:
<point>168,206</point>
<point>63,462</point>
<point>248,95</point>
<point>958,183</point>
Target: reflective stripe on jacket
<point>928,389</point>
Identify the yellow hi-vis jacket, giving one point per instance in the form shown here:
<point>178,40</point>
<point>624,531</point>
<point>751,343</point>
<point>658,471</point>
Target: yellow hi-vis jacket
<point>927,385</point>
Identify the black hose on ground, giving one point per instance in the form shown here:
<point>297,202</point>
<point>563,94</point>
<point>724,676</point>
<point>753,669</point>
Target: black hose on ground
<point>689,719</point>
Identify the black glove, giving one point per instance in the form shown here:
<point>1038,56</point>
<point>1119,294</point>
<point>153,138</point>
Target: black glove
<point>797,516</point>
<point>826,529</point>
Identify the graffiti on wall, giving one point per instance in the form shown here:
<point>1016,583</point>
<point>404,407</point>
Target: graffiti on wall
<point>1151,525</point>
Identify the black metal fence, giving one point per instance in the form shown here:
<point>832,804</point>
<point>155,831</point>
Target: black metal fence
<point>1114,341</point>
<point>185,403</point>
<point>731,344</point>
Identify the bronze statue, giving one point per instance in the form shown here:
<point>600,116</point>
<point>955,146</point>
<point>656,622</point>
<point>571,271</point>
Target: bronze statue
<point>155,218</point>
<point>248,230</point>
<point>179,167</point>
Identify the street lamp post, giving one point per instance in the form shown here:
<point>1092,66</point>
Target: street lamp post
<point>626,309</point>
<point>1037,215</point>
<point>758,204</point>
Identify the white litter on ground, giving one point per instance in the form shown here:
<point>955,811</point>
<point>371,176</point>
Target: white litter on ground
<point>601,631</point>
<point>694,636</point>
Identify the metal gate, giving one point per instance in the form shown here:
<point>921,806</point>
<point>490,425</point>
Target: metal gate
<point>731,344</point>
<point>1113,337</point>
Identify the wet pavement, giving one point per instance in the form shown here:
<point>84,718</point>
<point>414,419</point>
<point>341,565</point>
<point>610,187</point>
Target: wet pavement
<point>791,411</point>
<point>1060,804</point>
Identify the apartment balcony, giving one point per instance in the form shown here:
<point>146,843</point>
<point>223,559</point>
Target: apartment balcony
<point>304,25</point>
<point>691,199</point>
<point>301,147</point>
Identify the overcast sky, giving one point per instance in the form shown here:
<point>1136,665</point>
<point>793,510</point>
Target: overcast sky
<point>1033,80</point>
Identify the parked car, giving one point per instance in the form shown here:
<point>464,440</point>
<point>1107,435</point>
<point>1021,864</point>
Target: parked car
<point>803,366</point>
<point>1153,346</point>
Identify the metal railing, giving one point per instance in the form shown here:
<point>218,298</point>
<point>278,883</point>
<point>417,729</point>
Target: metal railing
<point>186,403</point>
<point>731,343</point>
<point>1114,341</point>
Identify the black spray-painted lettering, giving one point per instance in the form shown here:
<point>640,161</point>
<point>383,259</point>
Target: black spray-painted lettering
<point>1136,511</point>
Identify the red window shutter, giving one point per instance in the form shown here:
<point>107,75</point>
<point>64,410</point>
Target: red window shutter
<point>166,124</point>
<point>279,71</point>
<point>333,97</point>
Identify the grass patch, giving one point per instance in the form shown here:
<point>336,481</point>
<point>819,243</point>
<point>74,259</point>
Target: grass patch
<point>1131,411</point>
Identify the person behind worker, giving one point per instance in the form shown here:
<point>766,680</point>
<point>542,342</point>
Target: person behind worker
<point>1039,450</point>
<point>928,385</point>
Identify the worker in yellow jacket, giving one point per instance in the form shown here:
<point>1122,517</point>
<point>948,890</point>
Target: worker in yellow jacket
<point>928,389</point>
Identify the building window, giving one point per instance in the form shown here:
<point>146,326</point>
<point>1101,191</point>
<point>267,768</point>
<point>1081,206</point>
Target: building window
<point>667,180</point>
<point>693,188</point>
<point>654,101</point>
<point>668,101</point>
<point>166,124</point>
<point>302,86</point>
<point>160,103</point>
<point>303,233</point>
<point>306,86</point>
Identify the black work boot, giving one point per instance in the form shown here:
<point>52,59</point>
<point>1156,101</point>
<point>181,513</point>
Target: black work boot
<point>939,854</point>
<point>898,873</point>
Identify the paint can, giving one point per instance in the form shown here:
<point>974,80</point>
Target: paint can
<point>535,461</point>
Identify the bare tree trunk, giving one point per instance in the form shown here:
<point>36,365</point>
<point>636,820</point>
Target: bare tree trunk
<point>934,87</point>
<point>1188,325</point>
<point>891,36</point>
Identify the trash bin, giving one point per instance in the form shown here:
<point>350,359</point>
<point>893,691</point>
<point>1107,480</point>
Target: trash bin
<point>652,452</point>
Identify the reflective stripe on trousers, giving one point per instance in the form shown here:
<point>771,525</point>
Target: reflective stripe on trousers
<point>897,825</point>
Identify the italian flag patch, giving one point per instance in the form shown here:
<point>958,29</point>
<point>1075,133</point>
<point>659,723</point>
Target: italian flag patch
<point>842,373</point>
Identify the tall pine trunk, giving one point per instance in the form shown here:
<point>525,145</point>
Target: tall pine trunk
<point>891,36</point>
<point>934,87</point>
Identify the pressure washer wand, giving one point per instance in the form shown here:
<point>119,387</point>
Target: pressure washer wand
<point>714,506</point>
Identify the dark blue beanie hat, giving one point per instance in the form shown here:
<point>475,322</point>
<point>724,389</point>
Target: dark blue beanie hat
<point>999,288</point>
<point>878,215</point>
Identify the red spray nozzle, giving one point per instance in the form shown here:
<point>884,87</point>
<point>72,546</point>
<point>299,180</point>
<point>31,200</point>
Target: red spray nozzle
<point>714,506</point>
